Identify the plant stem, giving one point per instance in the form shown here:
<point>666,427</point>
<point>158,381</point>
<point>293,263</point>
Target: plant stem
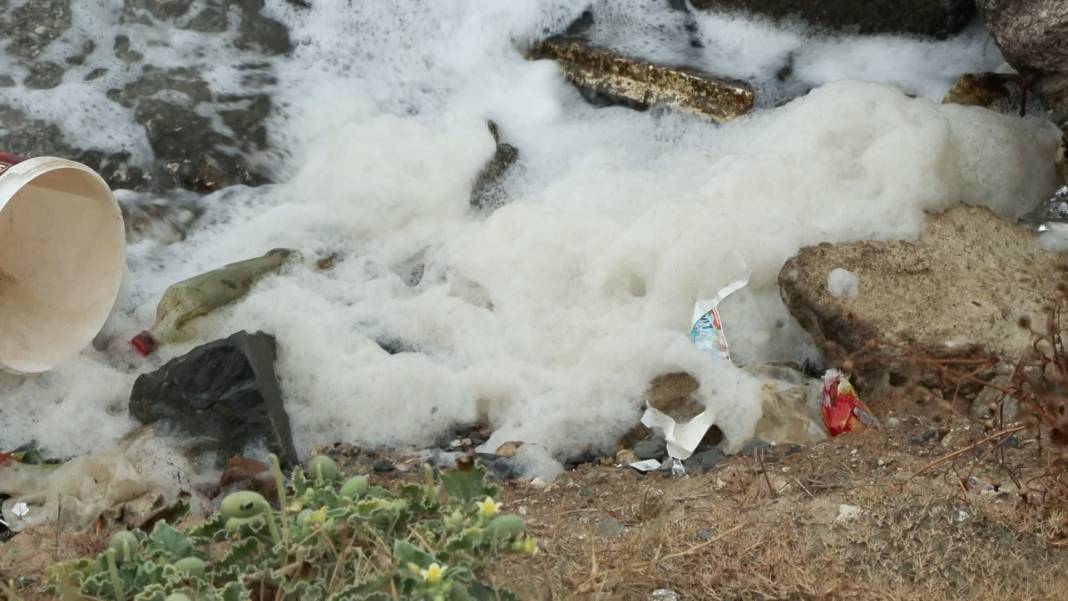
<point>116,582</point>
<point>276,469</point>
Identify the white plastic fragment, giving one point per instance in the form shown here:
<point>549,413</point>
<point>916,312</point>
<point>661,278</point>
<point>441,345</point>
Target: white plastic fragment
<point>706,332</point>
<point>707,329</point>
<point>649,465</point>
<point>681,439</point>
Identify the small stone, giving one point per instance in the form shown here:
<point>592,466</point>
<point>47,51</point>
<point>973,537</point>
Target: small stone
<point>610,528</point>
<point>381,466</point>
<point>927,436</point>
<point>1012,442</point>
<point>585,492</point>
<point>539,483</point>
<point>847,513</point>
<point>664,594</point>
<point>626,457</point>
<point>893,422</point>
<point>44,76</point>
<point>752,445</point>
<point>654,447</point>
<point>509,449</point>
<point>705,460</point>
<point>704,535</point>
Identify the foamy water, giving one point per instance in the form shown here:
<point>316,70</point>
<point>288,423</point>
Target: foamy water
<point>549,316</point>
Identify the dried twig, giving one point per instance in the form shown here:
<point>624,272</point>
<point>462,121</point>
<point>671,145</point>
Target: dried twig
<point>1006,433</point>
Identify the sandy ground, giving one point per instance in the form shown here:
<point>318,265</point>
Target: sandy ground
<point>856,517</point>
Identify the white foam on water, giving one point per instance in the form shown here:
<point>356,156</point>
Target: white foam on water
<point>550,316</point>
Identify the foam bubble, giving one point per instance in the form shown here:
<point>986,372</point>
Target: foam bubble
<point>548,317</point>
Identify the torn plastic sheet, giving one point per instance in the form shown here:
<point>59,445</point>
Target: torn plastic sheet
<point>842,409</point>
<point>707,329</point>
<point>681,439</point>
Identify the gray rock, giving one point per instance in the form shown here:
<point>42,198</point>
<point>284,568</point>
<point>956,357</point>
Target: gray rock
<point>123,51</point>
<point>752,445</point>
<point>610,528</point>
<point>937,18</point>
<point>160,9</point>
<point>990,402</point>
<point>958,293</point>
<point>487,192</point>
<point>605,77</point>
<point>1033,37</point>
<point>926,437</point>
<point>165,222</point>
<point>704,461</point>
<point>263,34</point>
<point>209,20</point>
<point>226,390</point>
<point>28,137</point>
<point>34,25</point>
<point>654,447</point>
<point>96,73</point>
<point>44,76</point>
<point>6,81</point>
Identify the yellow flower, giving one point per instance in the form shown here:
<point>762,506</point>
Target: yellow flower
<point>488,507</point>
<point>432,575</point>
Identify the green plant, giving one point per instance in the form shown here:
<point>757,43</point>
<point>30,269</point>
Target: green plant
<point>427,540</point>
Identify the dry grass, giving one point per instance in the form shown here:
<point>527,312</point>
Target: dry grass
<point>726,535</point>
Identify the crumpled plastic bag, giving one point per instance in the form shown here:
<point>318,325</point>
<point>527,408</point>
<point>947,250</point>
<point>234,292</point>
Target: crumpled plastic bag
<point>842,409</point>
<point>73,495</point>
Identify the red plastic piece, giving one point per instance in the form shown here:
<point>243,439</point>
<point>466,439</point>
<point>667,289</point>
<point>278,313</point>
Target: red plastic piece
<point>842,409</point>
<point>144,344</point>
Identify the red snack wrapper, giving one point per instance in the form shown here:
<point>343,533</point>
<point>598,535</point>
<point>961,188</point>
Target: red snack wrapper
<point>842,409</point>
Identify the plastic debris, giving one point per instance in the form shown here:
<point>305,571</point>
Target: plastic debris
<point>842,409</point>
<point>683,438</point>
<point>202,294</point>
<point>707,329</point>
<point>128,479</point>
<point>649,465</point>
<point>707,335</point>
<point>678,470</point>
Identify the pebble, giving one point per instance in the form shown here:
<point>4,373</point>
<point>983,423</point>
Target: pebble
<point>705,460</point>
<point>704,535</point>
<point>651,448</point>
<point>847,513</point>
<point>753,444</point>
<point>925,437</point>
<point>893,422</point>
<point>610,528</point>
<point>664,594</point>
<point>539,483</point>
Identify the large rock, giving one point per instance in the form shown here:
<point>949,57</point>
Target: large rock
<point>605,77</point>
<point>225,390</point>
<point>959,292</point>
<point>1033,36</point>
<point>927,17</point>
